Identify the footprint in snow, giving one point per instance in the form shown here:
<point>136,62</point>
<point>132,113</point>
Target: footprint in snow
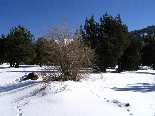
<point>19,114</point>
<point>97,95</point>
<point>120,104</point>
<point>19,110</point>
<point>94,93</point>
<point>16,107</point>
<point>128,110</point>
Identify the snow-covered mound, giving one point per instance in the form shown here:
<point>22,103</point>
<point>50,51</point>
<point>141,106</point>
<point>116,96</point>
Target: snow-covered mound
<point>106,94</point>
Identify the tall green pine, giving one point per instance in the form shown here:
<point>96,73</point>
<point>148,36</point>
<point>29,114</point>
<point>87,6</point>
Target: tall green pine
<point>108,38</point>
<point>148,51</point>
<point>3,49</point>
<point>131,58</point>
<point>20,46</point>
<point>40,53</point>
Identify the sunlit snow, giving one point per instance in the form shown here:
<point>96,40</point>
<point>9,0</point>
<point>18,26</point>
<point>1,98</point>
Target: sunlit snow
<point>105,94</point>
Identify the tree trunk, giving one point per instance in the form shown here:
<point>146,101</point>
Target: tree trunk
<point>17,65</point>
<point>40,65</point>
<point>119,68</point>
<point>153,66</point>
<point>12,64</point>
<point>103,69</point>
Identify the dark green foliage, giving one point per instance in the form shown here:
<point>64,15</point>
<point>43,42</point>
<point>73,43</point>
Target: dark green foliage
<point>131,58</point>
<point>40,53</point>
<point>108,38</point>
<point>90,36</point>
<point>148,51</point>
<point>2,49</point>
<point>20,46</point>
<point>91,28</point>
<point>115,39</point>
<point>150,30</point>
<point>148,40</point>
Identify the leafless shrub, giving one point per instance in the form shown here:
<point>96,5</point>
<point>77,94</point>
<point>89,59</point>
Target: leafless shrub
<point>67,54</point>
<point>50,73</point>
<point>42,89</point>
<point>49,88</point>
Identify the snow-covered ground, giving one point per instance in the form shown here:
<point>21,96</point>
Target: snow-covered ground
<point>103,94</point>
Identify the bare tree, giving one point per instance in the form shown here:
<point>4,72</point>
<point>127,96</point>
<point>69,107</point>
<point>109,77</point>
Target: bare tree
<point>67,53</point>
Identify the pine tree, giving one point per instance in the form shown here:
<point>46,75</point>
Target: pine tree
<point>148,51</point>
<point>109,39</point>
<point>3,49</point>
<point>90,35</point>
<point>91,28</point>
<point>131,58</point>
<point>40,52</point>
<point>19,46</point>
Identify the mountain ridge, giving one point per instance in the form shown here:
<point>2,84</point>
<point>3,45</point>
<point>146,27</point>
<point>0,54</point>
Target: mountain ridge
<point>150,30</point>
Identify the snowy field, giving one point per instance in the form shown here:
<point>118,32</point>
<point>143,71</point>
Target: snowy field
<point>105,94</point>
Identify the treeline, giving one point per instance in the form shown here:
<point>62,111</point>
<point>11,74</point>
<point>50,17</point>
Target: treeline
<point>19,46</point>
<point>110,39</point>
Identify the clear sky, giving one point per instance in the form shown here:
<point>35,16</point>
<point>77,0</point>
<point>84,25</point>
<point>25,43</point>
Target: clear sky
<point>34,15</point>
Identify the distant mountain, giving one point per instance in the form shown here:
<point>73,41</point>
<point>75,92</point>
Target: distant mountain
<point>150,30</point>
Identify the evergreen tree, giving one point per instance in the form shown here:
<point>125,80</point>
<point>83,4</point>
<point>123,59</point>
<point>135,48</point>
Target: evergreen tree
<point>131,58</point>
<point>148,51</point>
<point>40,53</point>
<point>91,28</point>
<point>2,49</point>
<point>90,36</point>
<point>19,46</point>
<point>109,39</point>
<point>116,39</point>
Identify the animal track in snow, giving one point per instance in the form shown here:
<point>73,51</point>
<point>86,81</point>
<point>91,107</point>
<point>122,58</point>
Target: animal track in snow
<point>128,110</point>
<point>118,103</point>
<point>19,114</point>
<point>18,108</point>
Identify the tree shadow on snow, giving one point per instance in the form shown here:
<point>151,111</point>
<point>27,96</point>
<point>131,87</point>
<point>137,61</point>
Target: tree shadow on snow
<point>152,73</point>
<point>20,66</point>
<point>15,87</point>
<point>26,71</point>
<point>137,87</point>
<point>28,66</point>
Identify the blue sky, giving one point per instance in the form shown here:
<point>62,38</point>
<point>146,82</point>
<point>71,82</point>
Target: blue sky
<point>35,15</point>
